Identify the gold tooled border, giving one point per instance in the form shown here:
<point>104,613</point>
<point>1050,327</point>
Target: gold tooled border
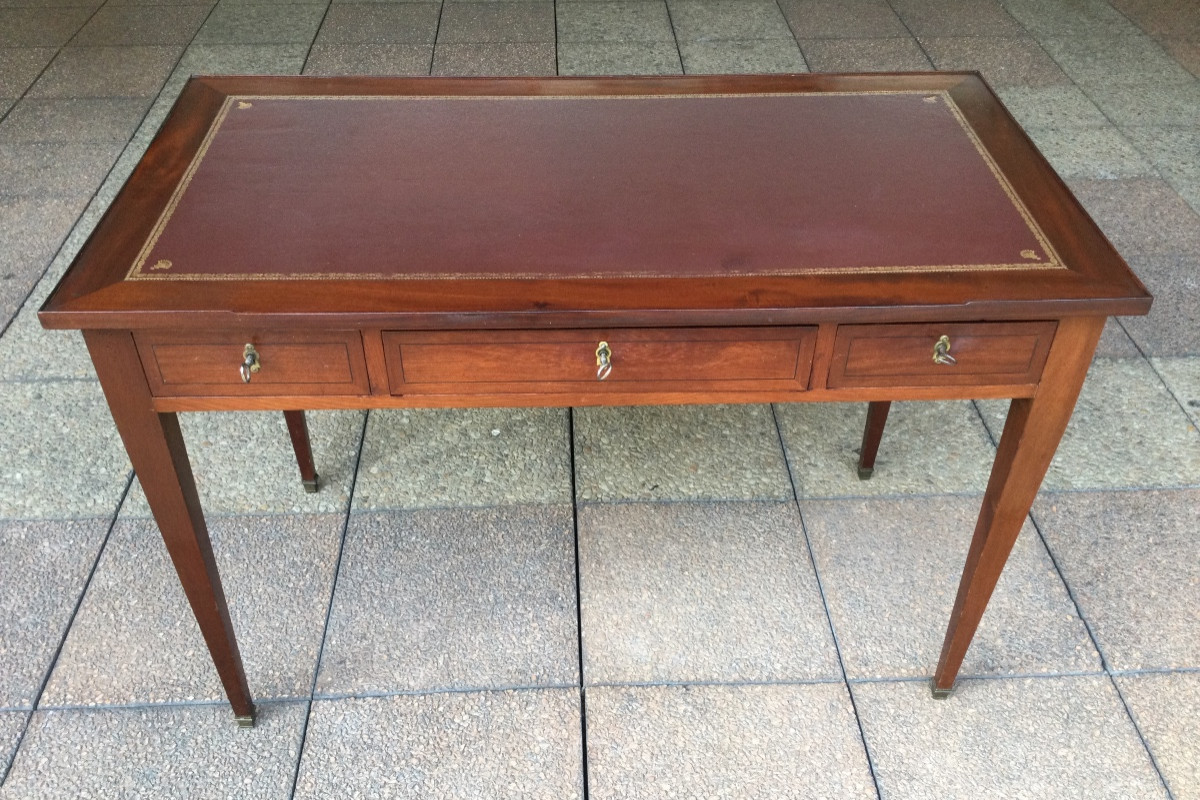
<point>138,272</point>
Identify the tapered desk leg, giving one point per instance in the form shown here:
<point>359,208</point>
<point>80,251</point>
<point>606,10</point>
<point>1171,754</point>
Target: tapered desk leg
<point>877,414</point>
<point>298,430</point>
<point>1031,435</point>
<point>155,446</point>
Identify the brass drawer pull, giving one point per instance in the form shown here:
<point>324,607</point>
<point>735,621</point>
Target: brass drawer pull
<point>603,361</point>
<point>941,352</point>
<point>250,362</point>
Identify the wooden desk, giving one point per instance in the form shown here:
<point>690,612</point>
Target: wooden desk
<point>292,243</point>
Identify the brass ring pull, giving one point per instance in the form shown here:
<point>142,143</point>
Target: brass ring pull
<point>603,361</point>
<point>941,352</point>
<point>250,362</point>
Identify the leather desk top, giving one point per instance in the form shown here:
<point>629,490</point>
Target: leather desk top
<point>766,197</point>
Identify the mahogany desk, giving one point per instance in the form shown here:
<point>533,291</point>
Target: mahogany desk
<point>292,243</point>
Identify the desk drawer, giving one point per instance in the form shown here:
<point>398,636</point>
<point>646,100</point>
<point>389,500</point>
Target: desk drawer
<point>208,363</point>
<point>979,354</point>
<point>642,360</point>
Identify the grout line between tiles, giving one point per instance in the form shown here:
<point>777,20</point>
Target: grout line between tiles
<point>862,734</point>
<point>578,601</point>
<point>675,38</point>
<point>67,628</point>
<point>337,568</point>
<point>316,33</point>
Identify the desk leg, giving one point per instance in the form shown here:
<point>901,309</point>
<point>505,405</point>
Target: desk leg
<point>156,448</point>
<point>298,429</point>
<point>877,414</point>
<point>1031,435</point>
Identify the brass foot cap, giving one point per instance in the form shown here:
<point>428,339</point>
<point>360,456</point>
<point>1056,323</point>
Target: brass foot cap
<point>311,486</point>
<point>940,694</point>
<point>864,473</point>
<point>246,721</point>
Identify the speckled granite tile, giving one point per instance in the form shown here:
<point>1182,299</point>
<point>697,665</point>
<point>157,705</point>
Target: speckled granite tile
<point>1162,16</point>
<point>898,54</point>
<point>1127,431</point>
<point>74,120</point>
<point>622,21</point>
<point>1175,151</point>
<point>6,103</point>
<point>1172,328</point>
<point>262,24</point>
<point>454,598</point>
<point>1103,62</point>
<point>1033,739</point>
<point>135,640</point>
<point>957,18</point>
<point>891,569</point>
<point>462,23</point>
<point>1166,709</point>
<point>107,72</point>
<point>20,67</point>
<point>618,58</point>
<point>1150,104</point>
<point>243,59</point>
<point>182,752</point>
<point>369,59</point>
<point>831,19</point>
<point>25,341</point>
<point>1003,60</point>
<point>380,23</point>
<point>55,168</point>
<point>1182,377</point>
<point>1052,107</point>
<point>1115,342</point>
<point>43,567</point>
<point>747,56</point>
<point>1142,216</point>
<point>480,744</point>
<point>710,592</point>
<point>40,27</point>
<point>243,462</point>
<point>132,25</point>
<point>724,20</point>
<point>495,58</point>
<point>679,453</point>
<point>12,725</point>
<point>423,458</point>
<point>724,741</point>
<point>939,447</point>
<point>1129,558</point>
<point>1100,152</point>
<point>1185,50</point>
<point>32,227</point>
<point>62,458</point>
<point>1078,18</point>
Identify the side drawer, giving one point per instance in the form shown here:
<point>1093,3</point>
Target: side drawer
<point>642,360</point>
<point>991,353</point>
<point>190,363</point>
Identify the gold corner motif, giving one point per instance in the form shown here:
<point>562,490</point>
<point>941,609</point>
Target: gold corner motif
<point>244,104</point>
<point>1030,254</point>
<point>931,98</point>
<point>161,264</point>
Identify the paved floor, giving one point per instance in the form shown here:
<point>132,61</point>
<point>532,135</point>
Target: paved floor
<point>667,602</point>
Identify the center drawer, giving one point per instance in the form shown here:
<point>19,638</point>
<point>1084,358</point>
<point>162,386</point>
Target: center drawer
<point>638,360</point>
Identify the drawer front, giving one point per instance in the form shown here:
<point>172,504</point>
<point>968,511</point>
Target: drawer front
<point>642,360</point>
<point>209,363</point>
<point>999,353</point>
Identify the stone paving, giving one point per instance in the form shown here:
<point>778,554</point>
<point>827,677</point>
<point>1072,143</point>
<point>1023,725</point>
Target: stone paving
<point>643,603</point>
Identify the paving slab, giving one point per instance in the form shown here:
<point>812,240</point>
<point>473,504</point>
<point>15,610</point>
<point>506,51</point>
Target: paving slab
<point>380,23</point>
<point>74,119</point>
<point>73,169</point>
<point>727,452</point>
<point>700,592</point>
<point>1003,60</point>
<point>132,25</point>
<point>436,458</point>
<point>1075,19</point>
<point>1150,104</point>
<point>20,67</point>
<point>135,641</point>
<point>1185,50</point>
<point>1172,328</point>
<point>742,56</point>
<point>262,24</point>
<point>169,752</point>
<point>107,72</point>
<point>1032,738</point>
<point>1105,61</point>
<point>1182,377</point>
<point>957,18</point>
<point>831,19</point>
<point>12,726</point>
<point>619,21</point>
<point>618,58</point>
<point>244,463</point>
<point>1158,17</point>
<point>43,569</point>
<point>1130,560</point>
<point>724,741</point>
<point>891,569</point>
<point>1052,107</point>
<point>1127,431</point>
<point>369,59</point>
<point>894,54</point>
<point>1176,153</point>
<point>1166,708</point>
<point>63,458</point>
<point>1142,216</point>
<point>477,744</point>
<point>724,20</point>
<point>495,58</point>
<point>463,23</point>
<point>1091,152</point>
<point>40,27</point>
<point>927,448</point>
<point>454,599</point>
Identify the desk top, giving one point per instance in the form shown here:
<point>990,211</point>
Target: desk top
<point>764,199</point>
